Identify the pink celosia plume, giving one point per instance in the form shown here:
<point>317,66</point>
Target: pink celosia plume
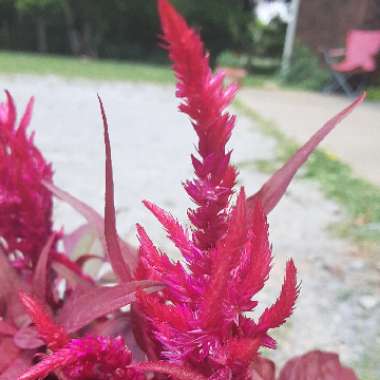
<point>204,99</point>
<point>25,205</point>
<point>88,358</point>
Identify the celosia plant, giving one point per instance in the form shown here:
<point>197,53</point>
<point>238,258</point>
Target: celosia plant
<point>185,320</point>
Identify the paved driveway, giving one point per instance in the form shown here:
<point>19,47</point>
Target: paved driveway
<point>356,141</point>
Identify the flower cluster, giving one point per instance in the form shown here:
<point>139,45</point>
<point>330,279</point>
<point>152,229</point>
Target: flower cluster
<point>184,320</point>
<point>22,196</point>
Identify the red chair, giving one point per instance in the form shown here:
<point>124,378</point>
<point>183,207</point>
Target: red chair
<point>362,47</point>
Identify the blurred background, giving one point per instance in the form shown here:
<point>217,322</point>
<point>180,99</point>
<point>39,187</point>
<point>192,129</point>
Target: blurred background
<point>247,34</point>
<point>298,63</point>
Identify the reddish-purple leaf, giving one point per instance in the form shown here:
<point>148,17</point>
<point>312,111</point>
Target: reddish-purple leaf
<point>263,369</point>
<point>86,307</point>
<point>9,352</point>
<point>18,366</point>
<point>273,190</point>
<point>73,278</point>
<point>9,281</point>
<point>178,372</point>
<point>28,338</point>
<point>40,273</point>
<point>73,241</point>
<point>94,219</point>
<point>116,258</point>
<point>6,328</point>
<point>316,365</point>
<point>72,268</point>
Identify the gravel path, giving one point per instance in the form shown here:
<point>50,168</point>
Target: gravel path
<point>339,307</point>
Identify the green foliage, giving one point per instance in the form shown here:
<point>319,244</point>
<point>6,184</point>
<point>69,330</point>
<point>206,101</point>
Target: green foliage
<point>37,5</point>
<point>305,70</point>
<point>374,94</point>
<point>268,39</point>
<point>120,28</point>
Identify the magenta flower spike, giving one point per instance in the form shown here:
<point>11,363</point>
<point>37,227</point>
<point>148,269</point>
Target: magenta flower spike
<point>87,358</point>
<point>199,319</point>
<point>23,199</point>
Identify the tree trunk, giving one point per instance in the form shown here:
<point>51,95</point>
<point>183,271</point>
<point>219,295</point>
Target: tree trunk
<point>42,46</point>
<point>72,33</point>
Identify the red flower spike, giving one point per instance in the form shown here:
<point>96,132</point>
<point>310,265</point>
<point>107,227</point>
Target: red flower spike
<point>22,196</point>
<point>54,335</point>
<point>228,253</point>
<point>204,100</point>
<point>176,233</point>
<point>95,358</point>
<point>242,351</point>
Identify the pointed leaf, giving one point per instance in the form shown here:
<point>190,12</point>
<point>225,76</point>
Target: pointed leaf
<point>116,258</point>
<point>85,308</point>
<point>74,279</point>
<point>27,338</point>
<point>263,369</point>
<point>40,273</point>
<point>18,366</point>
<point>9,281</point>
<point>9,353</point>
<point>316,365</point>
<point>273,190</point>
<point>6,328</point>
<point>94,219</point>
<point>80,241</point>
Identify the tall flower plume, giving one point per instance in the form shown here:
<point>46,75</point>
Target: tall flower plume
<point>95,358</point>
<point>25,204</point>
<point>199,319</point>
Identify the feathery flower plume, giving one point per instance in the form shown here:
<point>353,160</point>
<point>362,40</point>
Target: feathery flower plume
<point>95,358</point>
<point>198,319</point>
<point>25,205</point>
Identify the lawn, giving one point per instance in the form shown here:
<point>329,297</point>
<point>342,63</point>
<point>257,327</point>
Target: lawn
<point>27,63</point>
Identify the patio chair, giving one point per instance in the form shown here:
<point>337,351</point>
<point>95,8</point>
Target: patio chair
<point>362,47</point>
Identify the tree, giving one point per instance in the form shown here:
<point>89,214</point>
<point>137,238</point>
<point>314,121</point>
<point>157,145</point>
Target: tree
<point>40,10</point>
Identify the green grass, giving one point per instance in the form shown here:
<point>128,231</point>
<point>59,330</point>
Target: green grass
<point>37,64</point>
<point>70,67</point>
<point>358,198</point>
